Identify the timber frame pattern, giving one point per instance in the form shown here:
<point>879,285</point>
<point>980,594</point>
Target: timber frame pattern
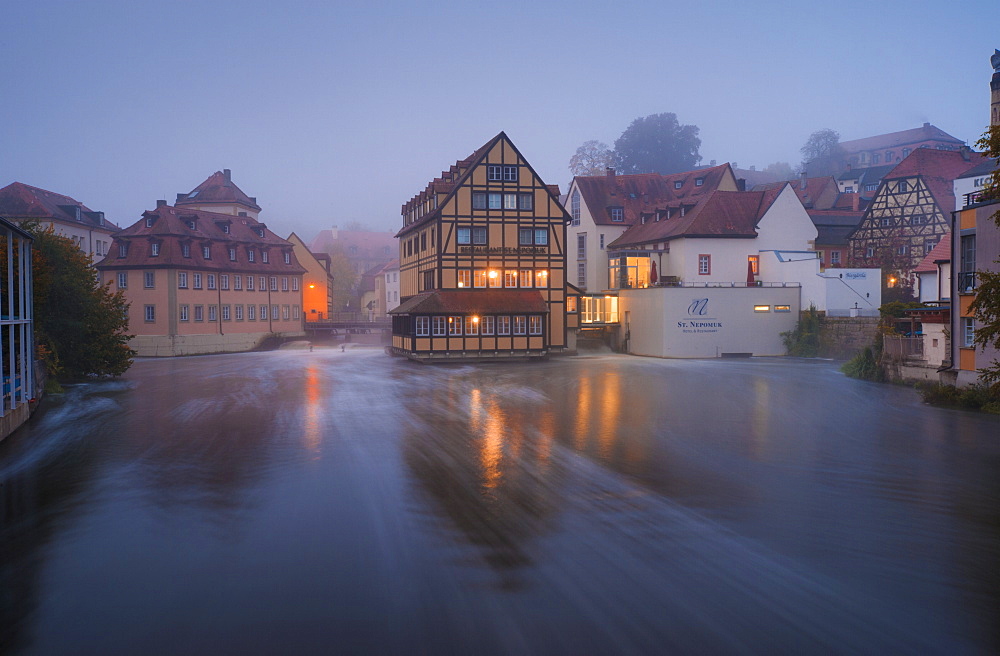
<point>901,225</point>
<point>483,263</point>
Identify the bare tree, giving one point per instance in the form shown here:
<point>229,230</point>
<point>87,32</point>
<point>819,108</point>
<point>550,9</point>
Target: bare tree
<point>592,158</point>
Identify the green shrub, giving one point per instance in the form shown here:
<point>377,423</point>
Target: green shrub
<point>975,397</point>
<point>864,366</point>
<point>804,340</point>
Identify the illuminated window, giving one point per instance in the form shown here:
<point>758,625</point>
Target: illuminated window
<point>503,325</point>
<point>762,308</point>
<point>520,325</point>
<point>510,278</point>
<point>454,325</point>
<point>487,325</point>
<point>495,279</point>
<point>479,278</point>
<point>782,308</point>
<point>571,304</point>
<point>754,261</point>
<point>471,325</point>
<point>464,278</point>
<point>534,325</point>
<point>526,277</point>
<point>542,279</point>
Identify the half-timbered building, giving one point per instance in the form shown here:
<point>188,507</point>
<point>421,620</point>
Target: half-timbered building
<point>482,264</point>
<point>910,212</point>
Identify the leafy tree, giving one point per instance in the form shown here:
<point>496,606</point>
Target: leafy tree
<point>822,153</point>
<point>779,171</point>
<point>592,158</point>
<point>81,326</point>
<point>986,306</point>
<point>657,144</point>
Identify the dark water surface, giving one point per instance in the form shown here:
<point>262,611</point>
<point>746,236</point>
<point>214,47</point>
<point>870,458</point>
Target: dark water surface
<point>327,502</point>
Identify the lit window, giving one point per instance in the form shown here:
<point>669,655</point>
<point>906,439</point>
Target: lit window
<point>520,325</point>
<point>542,279</point>
<point>526,277</point>
<point>534,325</point>
<point>782,308</point>
<point>510,278</point>
<point>454,325</point>
<point>486,325</point>
<point>471,325</point>
<point>762,308</point>
<point>503,325</point>
<point>479,278</point>
<point>754,261</point>
<point>464,278</point>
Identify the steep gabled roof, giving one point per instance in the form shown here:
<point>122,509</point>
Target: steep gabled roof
<point>454,177</point>
<point>218,189</point>
<point>833,227</point>
<point>21,201</point>
<point>820,192</point>
<point>926,132</point>
<point>507,301</point>
<point>940,253</point>
<point>719,214</point>
<point>642,193</point>
<point>986,167</point>
<point>938,169</point>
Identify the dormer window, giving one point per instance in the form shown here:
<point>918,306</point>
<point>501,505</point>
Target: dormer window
<point>232,254</point>
<point>149,221</point>
<point>617,214</point>
<point>250,255</point>
<point>288,257</point>
<point>123,249</point>
<point>206,252</point>
<point>154,249</point>
<point>263,257</point>
<point>190,224</point>
<point>186,250</point>
<point>259,231</point>
<point>678,184</point>
<point>698,182</point>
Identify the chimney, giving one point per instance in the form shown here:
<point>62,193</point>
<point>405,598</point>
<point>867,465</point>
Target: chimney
<point>856,202</point>
<point>610,172</point>
<point>927,125</point>
<point>161,203</point>
<point>333,232</point>
<point>741,185</point>
<point>228,175</point>
<point>253,199</point>
<point>966,153</point>
<point>802,180</point>
<point>181,197</point>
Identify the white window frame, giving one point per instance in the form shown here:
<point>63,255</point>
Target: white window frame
<point>520,325</point>
<point>535,325</point>
<point>422,327</point>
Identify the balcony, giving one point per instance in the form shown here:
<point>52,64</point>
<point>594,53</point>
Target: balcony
<point>966,282</point>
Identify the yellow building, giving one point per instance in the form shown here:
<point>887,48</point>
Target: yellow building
<point>317,282</point>
<point>482,261</point>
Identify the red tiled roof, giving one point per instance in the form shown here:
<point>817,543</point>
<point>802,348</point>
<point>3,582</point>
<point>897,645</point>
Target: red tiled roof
<point>938,169</point>
<point>719,214</point>
<point>218,189</point>
<point>940,253</point>
<point>641,193</point>
<point>488,301</point>
<point>820,192</point>
<point>21,201</point>
<point>169,228</point>
<point>927,132</point>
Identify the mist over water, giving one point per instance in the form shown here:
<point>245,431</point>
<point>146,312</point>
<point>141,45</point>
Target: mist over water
<point>348,502</point>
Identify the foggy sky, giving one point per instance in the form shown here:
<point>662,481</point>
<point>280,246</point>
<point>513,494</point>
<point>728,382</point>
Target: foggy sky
<point>336,112</point>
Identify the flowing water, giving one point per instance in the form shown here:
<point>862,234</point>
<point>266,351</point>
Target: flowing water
<point>333,502</point>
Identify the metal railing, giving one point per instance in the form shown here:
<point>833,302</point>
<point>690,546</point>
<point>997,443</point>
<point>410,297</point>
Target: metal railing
<point>966,281</point>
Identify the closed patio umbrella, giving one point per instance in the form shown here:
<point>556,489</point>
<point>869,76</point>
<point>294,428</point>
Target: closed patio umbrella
<point>653,279</point>
<point>750,279</point>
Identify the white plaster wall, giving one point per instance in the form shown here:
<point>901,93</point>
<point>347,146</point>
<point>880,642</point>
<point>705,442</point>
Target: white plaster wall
<point>681,322</point>
<point>597,259</point>
<point>845,287</point>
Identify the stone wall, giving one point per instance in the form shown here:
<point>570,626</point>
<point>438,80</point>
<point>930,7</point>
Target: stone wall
<point>844,337</point>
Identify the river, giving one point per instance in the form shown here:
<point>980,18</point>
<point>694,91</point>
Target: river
<point>296,502</point>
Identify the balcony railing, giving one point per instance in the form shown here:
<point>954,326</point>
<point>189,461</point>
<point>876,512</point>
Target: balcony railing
<point>966,281</point>
<point>899,347</point>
